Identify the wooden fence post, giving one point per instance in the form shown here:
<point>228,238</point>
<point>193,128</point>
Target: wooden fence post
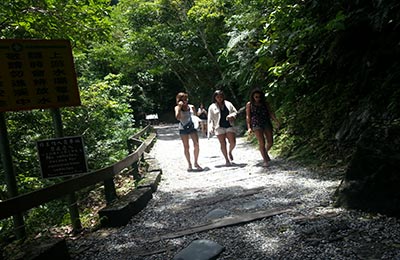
<point>12,190</point>
<point>133,143</point>
<point>109,190</point>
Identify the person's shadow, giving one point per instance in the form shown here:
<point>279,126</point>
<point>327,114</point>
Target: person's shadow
<point>200,170</point>
<point>232,165</point>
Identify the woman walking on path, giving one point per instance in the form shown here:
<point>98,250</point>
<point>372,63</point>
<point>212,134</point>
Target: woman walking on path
<point>221,115</point>
<point>258,119</point>
<point>202,114</point>
<point>184,113</point>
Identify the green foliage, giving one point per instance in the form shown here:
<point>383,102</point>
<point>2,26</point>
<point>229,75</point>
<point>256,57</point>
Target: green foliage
<point>316,61</point>
<point>24,129</point>
<point>81,22</point>
<point>104,120</point>
<point>319,62</point>
<point>174,42</point>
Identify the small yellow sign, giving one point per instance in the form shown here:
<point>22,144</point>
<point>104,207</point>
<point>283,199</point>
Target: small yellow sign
<point>37,74</point>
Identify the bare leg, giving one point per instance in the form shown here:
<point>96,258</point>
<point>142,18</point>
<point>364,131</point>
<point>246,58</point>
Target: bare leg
<point>270,141</point>
<point>232,143</point>
<point>270,138</point>
<point>202,126</point>
<point>185,141</point>
<point>205,128</point>
<point>196,149</point>
<point>222,142</point>
<point>261,146</point>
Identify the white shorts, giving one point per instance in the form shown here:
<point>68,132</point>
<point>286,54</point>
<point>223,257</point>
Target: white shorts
<point>222,130</point>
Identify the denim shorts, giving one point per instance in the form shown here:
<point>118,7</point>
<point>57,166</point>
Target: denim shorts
<point>187,131</point>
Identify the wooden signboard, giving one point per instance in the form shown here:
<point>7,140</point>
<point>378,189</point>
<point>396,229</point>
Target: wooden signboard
<point>37,74</point>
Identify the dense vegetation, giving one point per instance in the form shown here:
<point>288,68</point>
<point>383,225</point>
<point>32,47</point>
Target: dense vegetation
<point>329,68</point>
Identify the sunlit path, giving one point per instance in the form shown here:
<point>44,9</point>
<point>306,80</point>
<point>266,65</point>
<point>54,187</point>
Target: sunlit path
<point>190,206</point>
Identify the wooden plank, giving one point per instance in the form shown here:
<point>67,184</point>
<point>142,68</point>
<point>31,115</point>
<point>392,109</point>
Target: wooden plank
<point>142,132</point>
<point>150,141</point>
<point>224,222</point>
<point>36,198</point>
<point>130,159</point>
<point>33,199</point>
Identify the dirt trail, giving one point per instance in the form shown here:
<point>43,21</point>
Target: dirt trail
<point>185,201</point>
<point>169,152</point>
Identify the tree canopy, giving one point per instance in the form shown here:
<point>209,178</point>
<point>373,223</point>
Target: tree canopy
<point>329,68</point>
<point>318,62</point>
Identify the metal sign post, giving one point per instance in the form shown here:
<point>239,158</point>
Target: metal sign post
<point>10,175</point>
<point>71,198</point>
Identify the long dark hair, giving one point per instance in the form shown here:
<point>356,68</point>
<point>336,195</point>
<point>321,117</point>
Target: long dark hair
<point>216,93</point>
<point>262,96</point>
<point>263,100</point>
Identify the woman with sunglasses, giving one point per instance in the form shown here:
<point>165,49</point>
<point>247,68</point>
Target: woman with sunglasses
<point>258,119</point>
<point>184,113</point>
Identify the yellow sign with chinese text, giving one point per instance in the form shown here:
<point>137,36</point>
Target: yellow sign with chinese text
<point>37,74</point>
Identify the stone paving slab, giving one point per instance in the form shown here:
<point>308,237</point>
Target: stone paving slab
<point>200,250</point>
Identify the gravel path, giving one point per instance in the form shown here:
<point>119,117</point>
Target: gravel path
<point>311,229</point>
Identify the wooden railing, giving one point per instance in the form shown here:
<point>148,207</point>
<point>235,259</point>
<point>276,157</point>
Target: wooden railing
<point>24,202</point>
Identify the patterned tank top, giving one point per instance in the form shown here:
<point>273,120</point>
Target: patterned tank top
<point>259,116</point>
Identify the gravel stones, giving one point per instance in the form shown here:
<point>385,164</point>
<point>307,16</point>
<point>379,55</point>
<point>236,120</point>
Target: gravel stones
<point>312,229</point>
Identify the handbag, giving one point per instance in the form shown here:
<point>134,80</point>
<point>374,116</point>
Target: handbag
<point>189,125</point>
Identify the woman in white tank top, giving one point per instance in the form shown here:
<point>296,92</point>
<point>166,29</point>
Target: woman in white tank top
<point>184,112</point>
